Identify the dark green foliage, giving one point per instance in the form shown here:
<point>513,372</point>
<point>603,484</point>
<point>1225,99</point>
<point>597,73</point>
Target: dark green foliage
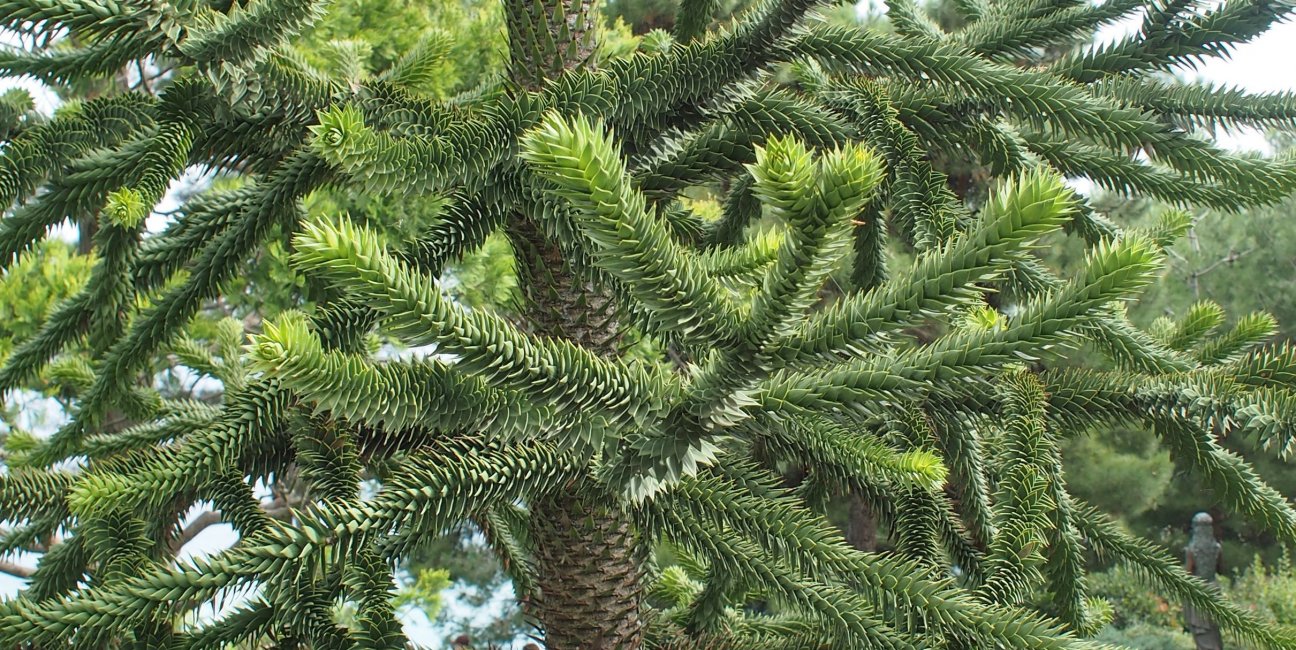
<point>773,371</point>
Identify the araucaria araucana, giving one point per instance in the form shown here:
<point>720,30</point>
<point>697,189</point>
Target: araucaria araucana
<point>650,445</point>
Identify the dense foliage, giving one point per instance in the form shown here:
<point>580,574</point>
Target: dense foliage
<point>650,442</point>
<point>1224,264</point>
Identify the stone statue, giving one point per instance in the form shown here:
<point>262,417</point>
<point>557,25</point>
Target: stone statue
<point>1203,558</point>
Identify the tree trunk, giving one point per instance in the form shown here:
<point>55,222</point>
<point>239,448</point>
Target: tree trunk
<point>549,37</point>
<point>587,553</point>
<point>588,560</point>
<point>861,525</point>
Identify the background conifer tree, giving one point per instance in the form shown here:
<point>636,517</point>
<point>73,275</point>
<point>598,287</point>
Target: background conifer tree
<point>624,441</point>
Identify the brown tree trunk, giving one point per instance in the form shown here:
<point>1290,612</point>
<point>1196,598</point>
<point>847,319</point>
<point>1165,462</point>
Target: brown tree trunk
<point>588,560</point>
<point>587,553</point>
<point>861,525</point>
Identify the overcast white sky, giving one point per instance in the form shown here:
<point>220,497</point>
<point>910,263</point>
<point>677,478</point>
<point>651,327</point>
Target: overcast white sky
<point>1267,64</point>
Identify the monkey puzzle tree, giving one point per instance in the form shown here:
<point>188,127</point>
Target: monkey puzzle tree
<point>638,495</point>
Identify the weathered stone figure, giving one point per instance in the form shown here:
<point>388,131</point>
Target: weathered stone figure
<point>1203,557</point>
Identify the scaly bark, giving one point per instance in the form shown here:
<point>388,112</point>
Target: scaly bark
<point>587,553</point>
<point>588,560</point>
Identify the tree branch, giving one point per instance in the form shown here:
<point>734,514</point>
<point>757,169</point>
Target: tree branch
<point>16,570</point>
<point>202,522</point>
<point>34,547</point>
<point>1232,257</point>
